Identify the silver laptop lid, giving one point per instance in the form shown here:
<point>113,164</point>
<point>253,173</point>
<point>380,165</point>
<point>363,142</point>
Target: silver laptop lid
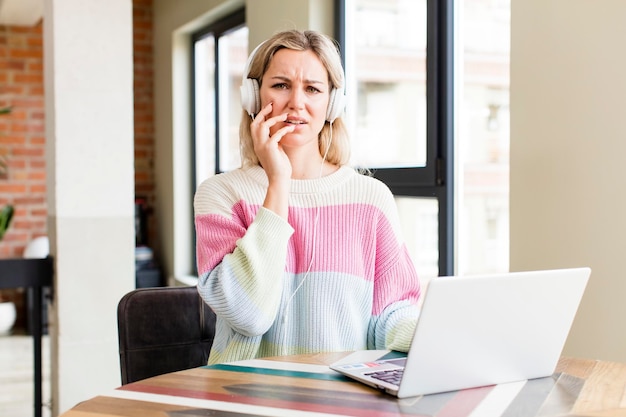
<point>484,330</point>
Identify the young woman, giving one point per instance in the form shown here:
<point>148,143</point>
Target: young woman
<point>297,252</point>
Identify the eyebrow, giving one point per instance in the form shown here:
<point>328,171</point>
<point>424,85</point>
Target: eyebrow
<point>282,78</point>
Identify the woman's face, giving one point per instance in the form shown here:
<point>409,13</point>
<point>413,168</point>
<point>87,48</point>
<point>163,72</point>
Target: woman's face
<point>296,83</point>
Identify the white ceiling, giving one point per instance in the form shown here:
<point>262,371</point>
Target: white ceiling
<point>20,12</point>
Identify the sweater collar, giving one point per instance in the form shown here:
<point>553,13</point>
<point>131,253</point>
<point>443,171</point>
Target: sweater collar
<point>308,186</point>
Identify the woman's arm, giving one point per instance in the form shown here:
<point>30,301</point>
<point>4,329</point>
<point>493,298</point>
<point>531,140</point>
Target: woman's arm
<point>240,267</point>
<point>396,284</point>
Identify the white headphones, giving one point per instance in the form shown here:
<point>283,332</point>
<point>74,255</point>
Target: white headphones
<point>251,98</point>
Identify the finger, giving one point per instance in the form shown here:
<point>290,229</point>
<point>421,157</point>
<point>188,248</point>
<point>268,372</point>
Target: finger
<point>269,122</point>
<point>263,127</point>
<point>280,133</point>
<point>264,111</point>
<point>260,116</point>
<point>273,120</point>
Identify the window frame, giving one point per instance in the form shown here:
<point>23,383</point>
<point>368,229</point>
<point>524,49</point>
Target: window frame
<point>219,28</point>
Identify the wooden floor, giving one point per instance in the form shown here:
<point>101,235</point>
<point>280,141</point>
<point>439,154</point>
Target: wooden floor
<point>16,376</point>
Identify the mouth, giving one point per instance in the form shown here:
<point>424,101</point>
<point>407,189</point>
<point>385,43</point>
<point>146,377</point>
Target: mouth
<point>295,121</point>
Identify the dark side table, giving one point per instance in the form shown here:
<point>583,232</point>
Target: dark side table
<point>34,275</point>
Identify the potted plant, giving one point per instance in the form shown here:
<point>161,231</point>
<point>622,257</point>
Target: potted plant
<point>6,213</point>
<point>7,308</point>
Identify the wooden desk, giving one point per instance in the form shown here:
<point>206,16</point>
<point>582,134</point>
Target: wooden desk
<point>579,387</point>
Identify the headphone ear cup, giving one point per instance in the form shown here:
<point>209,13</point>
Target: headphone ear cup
<point>250,97</point>
<point>336,104</point>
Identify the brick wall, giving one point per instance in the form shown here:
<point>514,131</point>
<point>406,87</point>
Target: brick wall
<point>22,144</point>
<point>144,124</point>
<point>22,133</point>
<point>22,136</point>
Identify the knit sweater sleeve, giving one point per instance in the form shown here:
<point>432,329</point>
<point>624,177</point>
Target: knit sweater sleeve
<point>396,292</point>
<point>396,285</point>
<point>241,252</point>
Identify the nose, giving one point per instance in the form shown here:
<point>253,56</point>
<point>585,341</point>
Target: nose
<point>296,98</point>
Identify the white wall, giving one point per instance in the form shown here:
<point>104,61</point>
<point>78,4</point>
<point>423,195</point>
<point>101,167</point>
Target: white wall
<point>90,189</point>
<point>266,17</point>
<point>568,154</point>
<point>173,24</point>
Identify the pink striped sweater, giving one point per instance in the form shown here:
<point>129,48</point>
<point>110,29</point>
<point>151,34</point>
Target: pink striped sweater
<point>335,277</point>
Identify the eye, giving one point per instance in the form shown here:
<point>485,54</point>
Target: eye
<point>312,89</point>
<point>279,86</point>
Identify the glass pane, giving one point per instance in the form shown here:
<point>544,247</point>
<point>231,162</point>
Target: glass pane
<point>419,224</point>
<point>483,136</point>
<point>233,50</point>
<point>204,71</point>
<point>386,66</point>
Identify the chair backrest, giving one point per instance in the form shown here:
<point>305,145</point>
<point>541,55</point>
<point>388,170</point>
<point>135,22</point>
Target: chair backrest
<point>163,330</point>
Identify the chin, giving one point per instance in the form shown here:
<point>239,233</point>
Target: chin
<point>296,139</point>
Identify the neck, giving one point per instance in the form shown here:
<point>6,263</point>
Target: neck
<point>307,167</point>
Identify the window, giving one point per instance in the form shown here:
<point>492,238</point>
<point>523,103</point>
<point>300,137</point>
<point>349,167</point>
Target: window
<point>428,113</point>
<point>388,70</point>
<point>482,141</point>
<point>218,58</point>
<point>219,55</point>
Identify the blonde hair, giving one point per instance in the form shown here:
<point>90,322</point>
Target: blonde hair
<point>332,138</point>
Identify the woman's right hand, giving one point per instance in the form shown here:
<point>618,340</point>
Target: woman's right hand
<point>273,159</point>
<point>268,149</point>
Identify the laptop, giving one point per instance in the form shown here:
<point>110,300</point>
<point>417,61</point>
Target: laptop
<point>484,330</point>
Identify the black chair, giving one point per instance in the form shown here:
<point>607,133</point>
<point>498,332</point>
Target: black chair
<point>163,330</point>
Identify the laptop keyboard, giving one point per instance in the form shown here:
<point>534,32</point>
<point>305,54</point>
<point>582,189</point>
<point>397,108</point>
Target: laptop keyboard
<point>391,376</point>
